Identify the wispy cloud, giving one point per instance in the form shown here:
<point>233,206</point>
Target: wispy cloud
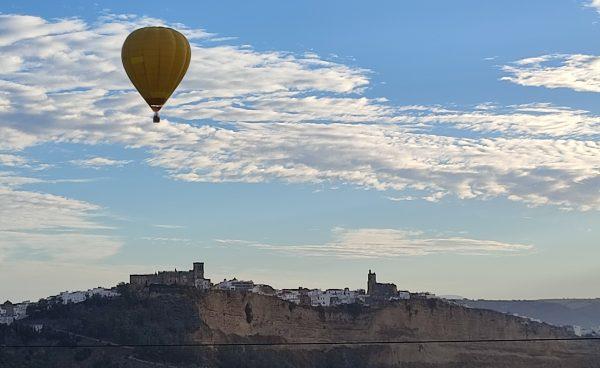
<point>385,243</point>
<point>277,116</point>
<point>44,226</point>
<point>401,198</point>
<point>167,226</point>
<point>162,239</point>
<point>12,160</point>
<point>98,162</point>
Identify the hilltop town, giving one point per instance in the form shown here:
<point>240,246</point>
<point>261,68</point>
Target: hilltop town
<point>376,292</point>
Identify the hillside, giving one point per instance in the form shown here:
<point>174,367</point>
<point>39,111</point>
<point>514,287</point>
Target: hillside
<point>188,316</point>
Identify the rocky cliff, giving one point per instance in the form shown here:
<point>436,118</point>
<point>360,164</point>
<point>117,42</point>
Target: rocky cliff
<point>233,315</point>
<point>239,317</point>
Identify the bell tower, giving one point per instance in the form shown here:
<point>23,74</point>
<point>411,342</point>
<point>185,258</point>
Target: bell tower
<point>371,283</point>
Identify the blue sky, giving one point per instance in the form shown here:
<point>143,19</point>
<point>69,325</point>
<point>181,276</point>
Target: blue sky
<point>451,147</point>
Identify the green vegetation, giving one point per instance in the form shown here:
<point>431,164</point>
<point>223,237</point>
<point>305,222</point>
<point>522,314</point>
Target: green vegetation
<point>132,318</point>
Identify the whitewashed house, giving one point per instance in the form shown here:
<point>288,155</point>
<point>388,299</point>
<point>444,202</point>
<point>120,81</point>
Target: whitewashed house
<point>67,297</point>
<point>102,292</point>
<point>290,295</point>
<point>331,297</point>
<point>10,312</point>
<point>73,297</point>
<point>235,285</point>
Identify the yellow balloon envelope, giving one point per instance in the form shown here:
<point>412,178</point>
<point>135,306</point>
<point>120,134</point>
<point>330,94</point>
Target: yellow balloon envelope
<point>156,59</point>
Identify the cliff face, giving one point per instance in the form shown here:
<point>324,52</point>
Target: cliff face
<point>230,316</point>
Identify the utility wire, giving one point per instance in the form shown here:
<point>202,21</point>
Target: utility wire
<point>299,343</point>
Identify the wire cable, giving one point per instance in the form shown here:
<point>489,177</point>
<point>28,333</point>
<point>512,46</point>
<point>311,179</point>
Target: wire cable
<point>307,343</point>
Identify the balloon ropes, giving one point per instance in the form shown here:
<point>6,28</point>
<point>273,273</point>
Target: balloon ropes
<point>155,60</point>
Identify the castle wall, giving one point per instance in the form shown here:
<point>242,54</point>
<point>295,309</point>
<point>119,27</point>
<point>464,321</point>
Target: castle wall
<point>193,278</point>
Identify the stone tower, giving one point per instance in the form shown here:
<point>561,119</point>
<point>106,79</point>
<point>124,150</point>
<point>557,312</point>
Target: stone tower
<point>198,270</point>
<point>371,283</point>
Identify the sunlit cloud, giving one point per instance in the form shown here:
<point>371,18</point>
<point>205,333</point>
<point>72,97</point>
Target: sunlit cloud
<point>385,243</point>
<point>577,72</point>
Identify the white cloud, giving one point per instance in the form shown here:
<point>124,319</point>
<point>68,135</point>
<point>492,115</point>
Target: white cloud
<point>12,160</point>
<point>167,226</point>
<point>98,162</point>
<point>402,198</point>
<point>536,120</point>
<point>39,225</point>
<point>250,116</point>
<point>594,4</point>
<point>578,72</point>
<point>14,28</point>
<point>161,239</point>
<point>10,179</point>
<point>385,243</point>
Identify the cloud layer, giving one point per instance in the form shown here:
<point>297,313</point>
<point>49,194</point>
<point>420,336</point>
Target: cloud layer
<point>385,243</point>
<point>249,116</point>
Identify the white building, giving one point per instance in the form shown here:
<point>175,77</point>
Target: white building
<point>331,297</point>
<point>290,295</point>
<point>235,285</point>
<point>402,295</point>
<point>73,297</point>
<point>20,309</point>
<point>11,312</point>
<point>263,289</point>
<point>67,297</point>
<point>318,297</point>
<point>102,292</point>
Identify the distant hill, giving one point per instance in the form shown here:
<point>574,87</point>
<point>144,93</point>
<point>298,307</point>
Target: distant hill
<point>559,312</point>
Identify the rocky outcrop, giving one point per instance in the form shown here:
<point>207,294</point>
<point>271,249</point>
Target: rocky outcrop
<point>234,315</point>
<point>247,317</point>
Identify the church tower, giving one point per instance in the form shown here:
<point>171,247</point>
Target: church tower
<point>198,270</point>
<point>371,283</point>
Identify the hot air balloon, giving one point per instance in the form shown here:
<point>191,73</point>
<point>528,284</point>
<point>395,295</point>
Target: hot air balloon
<point>155,60</point>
